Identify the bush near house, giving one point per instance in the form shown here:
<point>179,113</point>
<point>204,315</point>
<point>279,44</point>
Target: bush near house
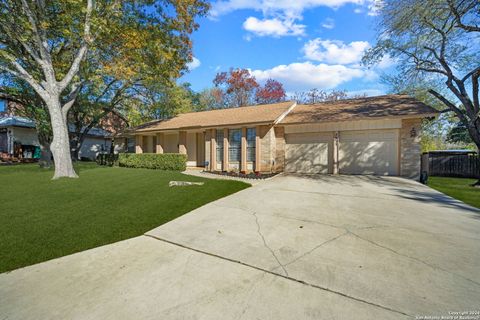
<point>163,161</point>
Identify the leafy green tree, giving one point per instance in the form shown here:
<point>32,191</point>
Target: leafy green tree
<point>436,42</point>
<point>458,134</point>
<point>98,104</point>
<point>46,44</point>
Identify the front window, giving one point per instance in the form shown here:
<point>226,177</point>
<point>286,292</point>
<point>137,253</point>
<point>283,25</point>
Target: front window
<point>219,145</point>
<point>235,145</point>
<point>251,136</point>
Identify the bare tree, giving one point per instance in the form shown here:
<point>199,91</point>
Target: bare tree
<point>313,96</point>
<point>436,42</point>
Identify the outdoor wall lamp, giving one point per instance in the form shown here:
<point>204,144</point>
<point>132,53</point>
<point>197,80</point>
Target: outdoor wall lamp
<point>413,132</point>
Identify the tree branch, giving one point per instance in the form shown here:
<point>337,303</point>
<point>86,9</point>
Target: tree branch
<point>47,68</point>
<point>440,57</point>
<point>27,48</point>
<point>72,96</point>
<point>420,62</point>
<point>81,52</point>
<point>449,105</point>
<point>21,73</point>
<point>468,75</point>
<point>458,18</point>
<point>475,88</point>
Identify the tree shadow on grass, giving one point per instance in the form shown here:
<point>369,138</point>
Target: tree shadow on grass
<point>427,196</point>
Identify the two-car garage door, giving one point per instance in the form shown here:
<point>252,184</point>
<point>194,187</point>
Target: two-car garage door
<point>358,152</point>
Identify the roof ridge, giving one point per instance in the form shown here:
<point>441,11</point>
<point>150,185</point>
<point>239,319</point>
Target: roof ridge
<point>358,98</point>
<point>232,108</point>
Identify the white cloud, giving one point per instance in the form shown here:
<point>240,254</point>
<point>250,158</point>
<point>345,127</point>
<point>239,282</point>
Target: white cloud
<point>328,23</point>
<point>276,27</point>
<point>271,6</point>
<point>282,13</point>
<point>358,10</point>
<point>194,64</point>
<point>335,51</point>
<point>374,7</point>
<point>307,75</point>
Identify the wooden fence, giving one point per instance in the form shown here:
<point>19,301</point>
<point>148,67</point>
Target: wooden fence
<point>452,164</point>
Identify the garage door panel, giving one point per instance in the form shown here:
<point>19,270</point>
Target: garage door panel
<point>308,153</point>
<point>369,152</point>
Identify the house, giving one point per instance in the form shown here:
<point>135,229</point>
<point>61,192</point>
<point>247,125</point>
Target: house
<point>375,135</point>
<point>19,139</point>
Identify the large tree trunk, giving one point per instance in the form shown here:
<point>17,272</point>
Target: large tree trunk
<point>60,145</point>
<point>474,132</point>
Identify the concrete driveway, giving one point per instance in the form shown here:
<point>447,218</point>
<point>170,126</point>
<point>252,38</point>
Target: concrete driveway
<point>324,247</point>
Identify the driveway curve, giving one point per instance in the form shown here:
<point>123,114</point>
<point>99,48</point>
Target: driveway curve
<point>339,247</point>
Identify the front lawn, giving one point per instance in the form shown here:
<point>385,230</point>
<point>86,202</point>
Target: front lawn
<point>458,188</point>
<point>41,219</point>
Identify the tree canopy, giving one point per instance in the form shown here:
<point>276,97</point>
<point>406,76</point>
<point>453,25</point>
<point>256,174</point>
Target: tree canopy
<point>436,42</point>
<point>60,48</point>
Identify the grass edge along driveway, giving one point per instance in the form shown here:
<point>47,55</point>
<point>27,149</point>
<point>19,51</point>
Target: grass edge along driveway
<point>458,188</point>
<point>41,219</point>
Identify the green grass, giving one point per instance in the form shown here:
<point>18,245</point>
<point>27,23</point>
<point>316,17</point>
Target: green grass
<point>41,219</point>
<point>458,188</point>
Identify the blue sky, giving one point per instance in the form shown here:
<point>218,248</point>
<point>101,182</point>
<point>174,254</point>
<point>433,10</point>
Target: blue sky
<point>302,43</point>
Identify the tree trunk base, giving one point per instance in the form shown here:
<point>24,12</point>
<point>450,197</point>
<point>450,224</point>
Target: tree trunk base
<point>63,164</point>
<point>71,175</point>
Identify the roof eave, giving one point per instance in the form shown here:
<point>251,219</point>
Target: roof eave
<point>412,116</point>
<point>257,123</point>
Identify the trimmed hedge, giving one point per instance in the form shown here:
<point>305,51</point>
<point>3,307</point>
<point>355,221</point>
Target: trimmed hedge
<point>161,161</point>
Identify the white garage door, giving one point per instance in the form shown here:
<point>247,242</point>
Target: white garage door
<point>308,152</point>
<point>369,152</point>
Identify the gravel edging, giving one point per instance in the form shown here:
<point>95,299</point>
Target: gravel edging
<point>209,175</point>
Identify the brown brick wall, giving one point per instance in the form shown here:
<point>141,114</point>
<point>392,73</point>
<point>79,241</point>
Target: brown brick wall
<point>208,137</point>
<point>410,150</point>
<point>279,149</point>
<point>267,148</point>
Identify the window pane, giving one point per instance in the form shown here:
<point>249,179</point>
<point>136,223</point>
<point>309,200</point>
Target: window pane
<point>219,141</point>
<point>3,105</point>
<point>235,144</point>
<point>251,135</point>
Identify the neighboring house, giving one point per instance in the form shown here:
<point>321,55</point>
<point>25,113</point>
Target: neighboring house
<point>375,135</point>
<point>18,136</point>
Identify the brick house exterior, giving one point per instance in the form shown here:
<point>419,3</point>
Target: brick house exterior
<point>376,135</point>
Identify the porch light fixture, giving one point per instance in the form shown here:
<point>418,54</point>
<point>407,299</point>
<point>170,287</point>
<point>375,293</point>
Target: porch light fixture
<point>413,132</point>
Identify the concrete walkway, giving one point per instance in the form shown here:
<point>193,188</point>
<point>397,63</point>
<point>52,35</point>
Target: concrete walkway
<point>291,247</point>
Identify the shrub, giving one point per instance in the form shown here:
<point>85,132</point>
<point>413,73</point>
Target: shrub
<point>161,161</point>
<point>107,159</point>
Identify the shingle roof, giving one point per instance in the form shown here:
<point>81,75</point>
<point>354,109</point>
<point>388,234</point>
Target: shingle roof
<point>353,109</point>
<point>267,113</point>
<point>14,121</point>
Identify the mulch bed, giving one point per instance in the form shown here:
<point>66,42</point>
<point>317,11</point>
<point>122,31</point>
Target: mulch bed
<point>252,175</point>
